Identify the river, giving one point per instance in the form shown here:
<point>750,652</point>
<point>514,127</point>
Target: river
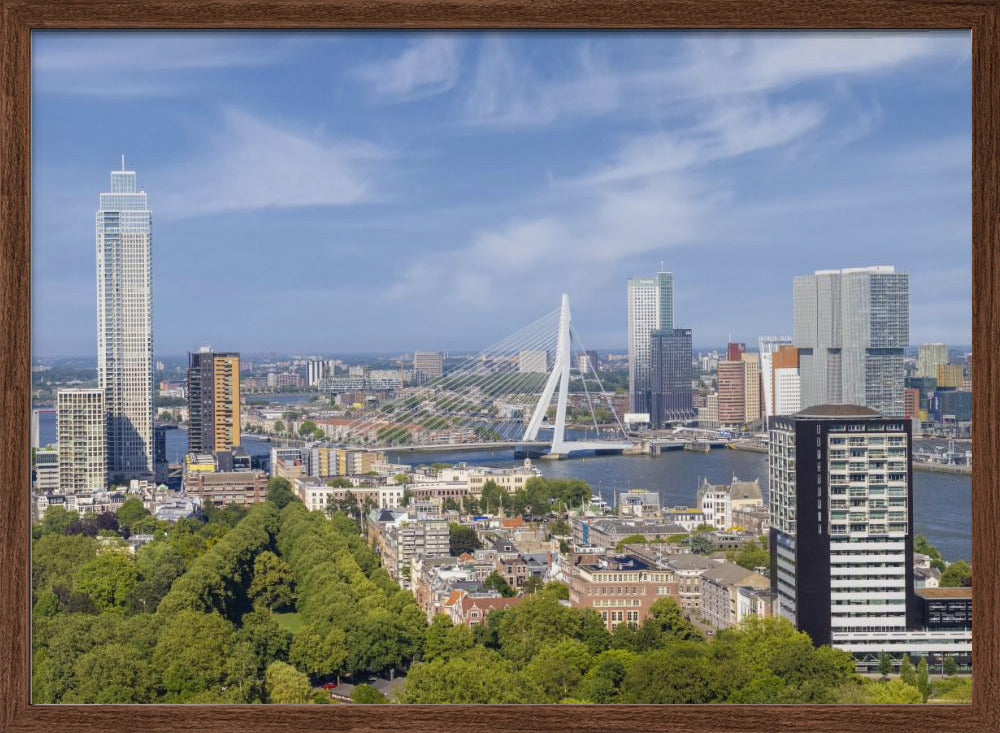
<point>942,502</point>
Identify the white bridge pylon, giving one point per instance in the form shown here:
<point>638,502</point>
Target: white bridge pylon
<point>559,377</point>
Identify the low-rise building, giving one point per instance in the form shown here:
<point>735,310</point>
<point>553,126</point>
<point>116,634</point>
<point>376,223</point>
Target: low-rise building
<point>620,588</point>
<point>235,487</point>
<point>639,503</point>
<point>720,594</point>
<point>607,532</point>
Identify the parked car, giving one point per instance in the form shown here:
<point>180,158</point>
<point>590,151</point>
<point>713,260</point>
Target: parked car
<point>329,685</point>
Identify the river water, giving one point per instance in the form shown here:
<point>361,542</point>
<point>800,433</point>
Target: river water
<point>942,502</point>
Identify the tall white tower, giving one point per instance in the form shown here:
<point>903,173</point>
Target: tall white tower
<point>125,326</point>
<point>650,308</point>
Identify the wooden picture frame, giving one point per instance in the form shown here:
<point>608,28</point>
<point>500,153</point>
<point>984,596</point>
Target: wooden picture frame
<point>20,17</point>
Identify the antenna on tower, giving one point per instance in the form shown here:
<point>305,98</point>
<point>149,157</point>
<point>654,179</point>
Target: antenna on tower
<point>123,161</point>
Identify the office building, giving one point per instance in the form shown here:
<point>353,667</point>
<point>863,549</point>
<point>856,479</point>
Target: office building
<point>428,365</point>
<point>950,376</point>
<point>670,383</point>
<point>735,350</point>
<point>952,406</point>
<point>81,431</point>
<point>125,326</point>
<point>213,401</point>
<point>533,361</point>
<point>650,308</point>
<point>841,538</point>
<point>751,386</point>
<point>851,329</point>
<point>732,393</point>
<point>930,357</point>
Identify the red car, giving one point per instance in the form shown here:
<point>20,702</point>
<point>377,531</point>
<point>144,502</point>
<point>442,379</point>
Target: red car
<point>329,685</point>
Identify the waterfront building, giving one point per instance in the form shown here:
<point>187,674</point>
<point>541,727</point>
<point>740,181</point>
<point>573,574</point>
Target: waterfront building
<point>650,308</point>
<point>769,346</point>
<point>315,370</point>
<point>950,376</point>
<point>708,416</point>
<point>213,401</point>
<point>841,539</point>
<point>930,357</point>
<point>533,361</point>
<point>851,329</point>
<point>639,503</point>
<point>81,435</point>
<point>428,365</point>
<point>671,396</point>
<point>732,392</point>
<point>952,406</point>
<point>125,326</point>
<point>47,470</point>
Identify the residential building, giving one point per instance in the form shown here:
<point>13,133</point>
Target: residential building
<point>841,540</point>
<point>717,502</point>
<point>911,403</point>
<point>316,370</point>
<point>428,365</point>
<point>769,345</point>
<point>650,308</point>
<point>81,431</point>
<point>930,357</point>
<point>533,361</point>
<point>213,401</point>
<point>720,593</point>
<point>671,396</point>
<point>620,588</point>
<point>125,326</point>
<point>687,569</point>
<point>639,503</point>
<point>606,532</point>
<point>471,609</point>
<point>398,537</point>
<point>852,327</point>
<point>47,477</point>
<point>708,416</point>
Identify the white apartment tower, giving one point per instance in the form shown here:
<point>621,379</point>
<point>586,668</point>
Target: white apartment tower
<point>929,358</point>
<point>125,326</point>
<point>80,433</point>
<point>650,308</point>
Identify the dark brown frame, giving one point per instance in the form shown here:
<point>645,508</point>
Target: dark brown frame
<point>19,17</point>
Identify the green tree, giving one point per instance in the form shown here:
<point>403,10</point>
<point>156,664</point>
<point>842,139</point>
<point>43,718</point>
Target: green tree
<point>130,512</point>
<point>279,427</point>
<point>340,482</point>
<point>751,555</point>
<point>365,694</point>
<point>319,654</point>
<point>558,668</point>
<point>272,583</point>
<point>532,584</point>
<point>884,665</point>
<point>957,574</point>
<point>680,674</point>
<point>921,545</point>
<point>109,580</point>
<point>480,676</point>
<point>279,492</point>
<point>701,544</point>
<point>559,527</point>
<point>462,539</point>
<point>285,685</point>
<point>495,581</point>
<point>113,674</point>
<point>445,639</point>
<point>192,653</point>
<point>923,679</point>
<point>401,479</point>
<point>261,632</point>
<point>906,671</point>
<point>893,692</point>
<point>950,666</point>
<point>603,681</point>
<point>58,520</point>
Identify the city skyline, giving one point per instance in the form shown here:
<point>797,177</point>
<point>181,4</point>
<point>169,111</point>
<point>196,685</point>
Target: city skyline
<point>429,169</point>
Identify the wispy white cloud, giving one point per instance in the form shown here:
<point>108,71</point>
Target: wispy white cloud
<point>142,64</point>
<point>254,164</point>
<point>428,67</point>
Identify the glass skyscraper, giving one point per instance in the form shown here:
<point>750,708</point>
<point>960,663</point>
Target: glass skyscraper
<point>125,326</point>
<point>851,328</point>
<point>650,308</point>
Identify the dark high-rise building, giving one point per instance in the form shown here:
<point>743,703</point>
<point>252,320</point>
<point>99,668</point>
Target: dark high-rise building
<point>735,350</point>
<point>213,401</point>
<point>671,395</point>
<point>841,539</point>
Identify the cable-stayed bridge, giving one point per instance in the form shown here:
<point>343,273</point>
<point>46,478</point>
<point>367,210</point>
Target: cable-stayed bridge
<point>529,391</point>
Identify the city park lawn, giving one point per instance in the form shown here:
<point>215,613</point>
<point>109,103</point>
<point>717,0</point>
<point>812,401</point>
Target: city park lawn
<point>291,621</point>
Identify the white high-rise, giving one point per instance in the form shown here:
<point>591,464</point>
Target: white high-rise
<point>125,326</point>
<point>930,357</point>
<point>80,431</point>
<point>650,308</point>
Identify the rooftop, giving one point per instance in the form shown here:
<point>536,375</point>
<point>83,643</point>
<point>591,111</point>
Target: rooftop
<point>961,592</point>
<point>820,411</point>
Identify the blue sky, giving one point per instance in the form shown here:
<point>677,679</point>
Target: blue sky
<point>373,191</point>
